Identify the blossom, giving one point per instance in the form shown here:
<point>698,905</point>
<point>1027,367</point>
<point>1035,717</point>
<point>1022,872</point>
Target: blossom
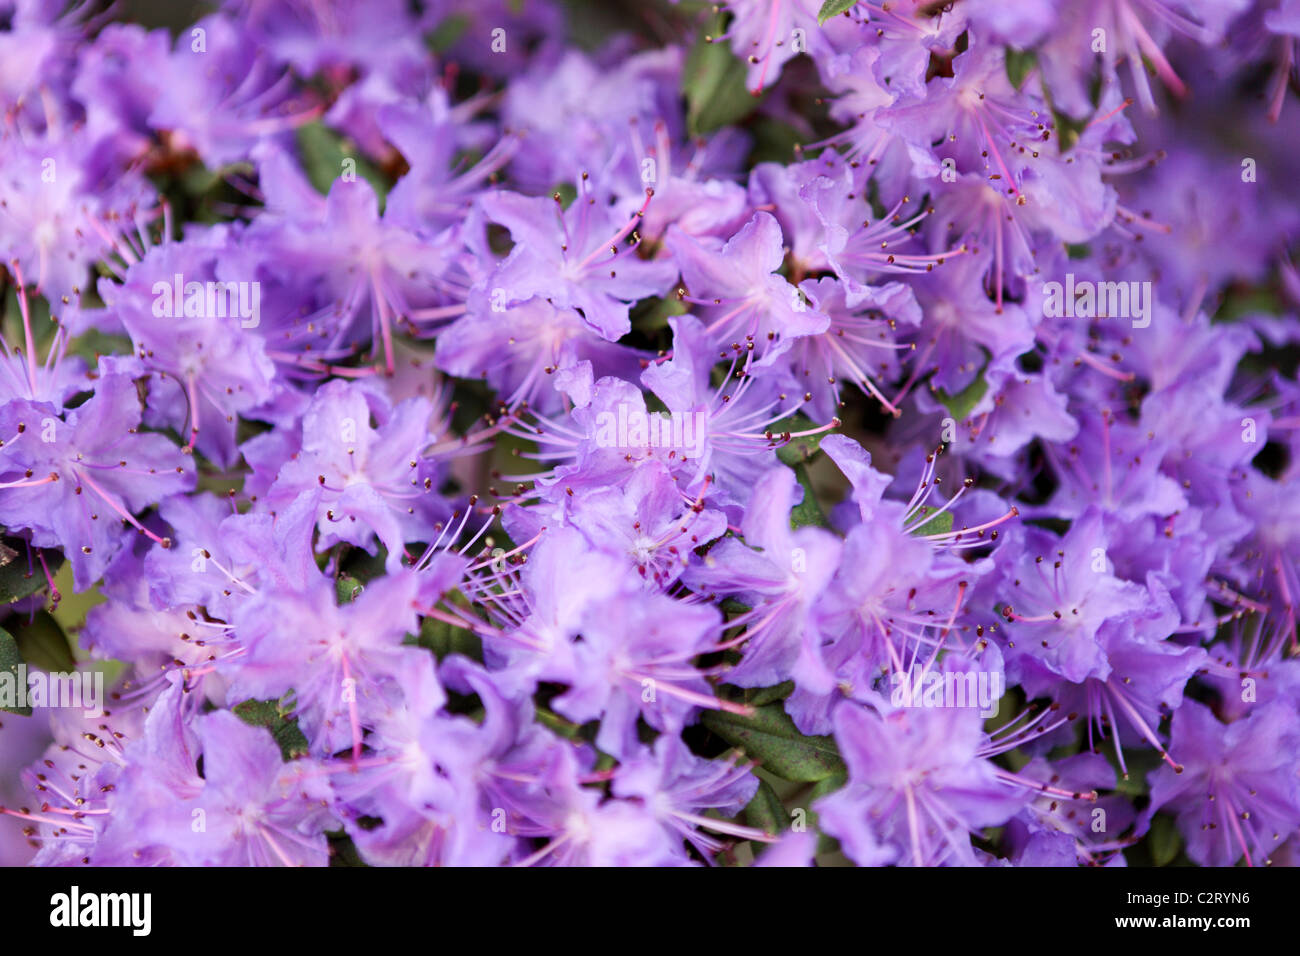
<point>484,436</point>
<point>74,479</point>
<point>917,787</point>
<point>1236,794</point>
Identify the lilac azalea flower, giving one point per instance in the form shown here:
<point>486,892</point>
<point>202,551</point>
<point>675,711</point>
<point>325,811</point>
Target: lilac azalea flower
<point>254,810</point>
<point>780,574</point>
<point>1237,791</point>
<point>917,787</point>
<point>571,257</point>
<point>73,480</point>
<point>739,280</point>
<point>338,662</point>
<point>520,582</point>
<point>375,481</point>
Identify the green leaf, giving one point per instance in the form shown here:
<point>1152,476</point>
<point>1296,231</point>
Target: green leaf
<point>323,151</point>
<point>442,639</point>
<point>833,8</point>
<point>1165,840</point>
<point>774,141</point>
<point>714,85</point>
<point>283,728</point>
<point>1019,63</point>
<point>765,811</point>
<point>771,737</point>
<point>731,608</point>
<point>447,33</point>
<point>1139,763</point>
<point>42,643</point>
<point>16,582</point>
<point>90,345</point>
<point>198,179</point>
<point>1237,302</point>
<point>808,511</point>
<point>961,404</point>
<point>9,661</point>
<point>1068,130</point>
<point>825,843</point>
<point>347,588</point>
<point>557,724</point>
<point>343,852</point>
<point>567,193</point>
<point>939,524</point>
<point>828,785</point>
<point>761,696</point>
<point>653,315</point>
<point>797,449</point>
<point>361,565</point>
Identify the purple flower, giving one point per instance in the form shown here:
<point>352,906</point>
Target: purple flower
<point>375,481</point>
<point>680,786</point>
<point>572,258</point>
<point>1236,793</point>
<point>74,479</point>
<point>739,281</point>
<point>218,93</point>
<point>780,574</point>
<point>248,808</point>
<point>339,662</point>
<point>917,787</point>
<point>813,389</point>
<point>192,326</point>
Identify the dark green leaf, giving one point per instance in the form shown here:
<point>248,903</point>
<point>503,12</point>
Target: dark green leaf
<point>771,737</point>
<point>797,450</point>
<point>557,724</point>
<point>1139,763</point>
<point>1019,63</point>
<point>446,33</point>
<point>807,511</point>
<point>765,811</point>
<point>90,345</point>
<point>828,785</point>
<point>731,608</point>
<point>774,141</point>
<point>323,151</point>
<point>1237,302</point>
<point>653,316</point>
<point>567,193</point>
<point>939,524</point>
<point>271,715</point>
<point>42,643</point>
<point>761,696</point>
<point>9,661</point>
<point>1165,840</point>
<point>16,582</point>
<point>961,404</point>
<point>714,85</point>
<point>442,639</point>
<point>347,588</point>
<point>362,565</point>
<point>833,8</point>
<point>1068,130</point>
<point>198,179</point>
<point>343,852</point>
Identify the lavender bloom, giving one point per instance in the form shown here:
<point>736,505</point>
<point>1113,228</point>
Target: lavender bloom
<point>504,434</point>
<point>74,480</point>
<point>917,787</point>
<point>1237,793</point>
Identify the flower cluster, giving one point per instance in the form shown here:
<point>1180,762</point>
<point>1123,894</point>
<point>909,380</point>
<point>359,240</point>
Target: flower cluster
<point>474,432</point>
